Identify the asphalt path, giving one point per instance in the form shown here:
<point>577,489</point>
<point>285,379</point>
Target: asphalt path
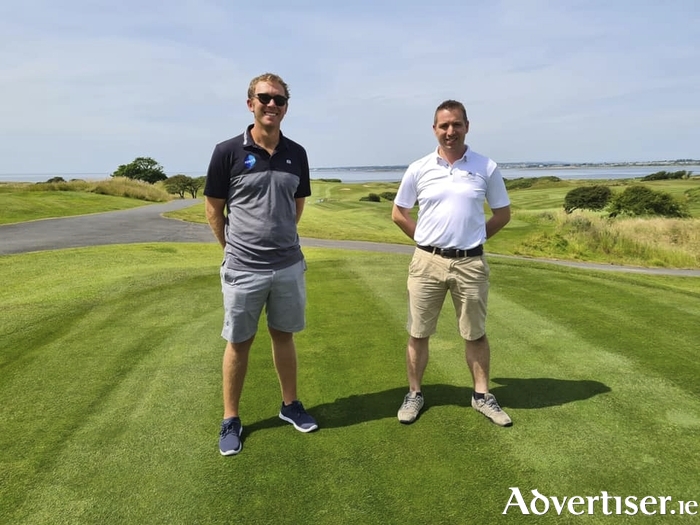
<point>146,224</point>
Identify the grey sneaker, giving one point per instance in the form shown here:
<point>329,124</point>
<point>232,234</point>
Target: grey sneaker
<point>489,407</point>
<point>230,436</point>
<point>410,408</point>
<point>295,414</point>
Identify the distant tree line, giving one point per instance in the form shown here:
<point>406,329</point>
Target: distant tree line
<point>668,175</point>
<point>148,170</point>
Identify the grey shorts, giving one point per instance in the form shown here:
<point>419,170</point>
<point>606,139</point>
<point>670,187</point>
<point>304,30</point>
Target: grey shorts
<point>281,292</point>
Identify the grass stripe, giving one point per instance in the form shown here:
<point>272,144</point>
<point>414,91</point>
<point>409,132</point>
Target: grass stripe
<point>110,382</point>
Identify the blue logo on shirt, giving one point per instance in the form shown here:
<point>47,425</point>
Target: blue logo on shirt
<point>249,161</point>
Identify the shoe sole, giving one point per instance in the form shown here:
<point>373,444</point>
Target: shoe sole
<point>509,424</point>
<point>408,421</point>
<point>233,452</point>
<point>300,429</point>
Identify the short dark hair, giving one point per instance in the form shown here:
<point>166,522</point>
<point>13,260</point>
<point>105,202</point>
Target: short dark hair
<point>267,77</point>
<point>451,105</point>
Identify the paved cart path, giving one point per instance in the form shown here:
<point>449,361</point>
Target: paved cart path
<point>147,224</point>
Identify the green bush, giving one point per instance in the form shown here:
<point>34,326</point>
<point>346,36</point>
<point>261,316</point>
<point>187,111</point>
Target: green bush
<point>519,184</point>
<point>522,183</point>
<point>372,197</point>
<point>388,195</point>
<point>587,198</point>
<point>640,200</point>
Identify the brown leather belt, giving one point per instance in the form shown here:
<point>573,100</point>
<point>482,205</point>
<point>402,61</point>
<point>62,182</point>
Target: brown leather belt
<point>453,253</point>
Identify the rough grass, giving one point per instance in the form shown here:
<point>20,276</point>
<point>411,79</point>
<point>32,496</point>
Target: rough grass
<point>21,202</point>
<point>673,243</point>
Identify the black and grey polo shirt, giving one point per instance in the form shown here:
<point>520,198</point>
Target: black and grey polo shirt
<point>259,189</point>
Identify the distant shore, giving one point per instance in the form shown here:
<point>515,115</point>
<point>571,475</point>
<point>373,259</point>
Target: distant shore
<point>583,170</point>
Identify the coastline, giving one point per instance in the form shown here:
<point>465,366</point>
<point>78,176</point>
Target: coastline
<point>394,173</point>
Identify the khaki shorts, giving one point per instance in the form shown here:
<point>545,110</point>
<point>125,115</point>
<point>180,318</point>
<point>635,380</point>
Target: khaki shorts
<point>431,276</point>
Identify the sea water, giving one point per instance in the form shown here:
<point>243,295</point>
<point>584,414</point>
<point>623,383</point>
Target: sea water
<point>394,173</point>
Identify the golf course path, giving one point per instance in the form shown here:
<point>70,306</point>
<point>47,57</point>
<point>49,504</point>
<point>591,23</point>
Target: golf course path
<point>147,224</point>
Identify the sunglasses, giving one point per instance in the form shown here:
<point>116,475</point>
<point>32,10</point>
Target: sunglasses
<point>265,99</point>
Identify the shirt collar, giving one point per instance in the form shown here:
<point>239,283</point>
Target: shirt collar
<point>248,139</point>
<point>464,157</point>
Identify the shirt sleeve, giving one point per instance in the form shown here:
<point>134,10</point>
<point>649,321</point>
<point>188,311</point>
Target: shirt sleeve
<point>407,193</point>
<point>304,188</point>
<point>496,193</point>
<point>218,175</point>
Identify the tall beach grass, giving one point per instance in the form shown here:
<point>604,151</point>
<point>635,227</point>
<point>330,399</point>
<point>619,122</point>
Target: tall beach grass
<point>663,242</point>
<point>117,187</point>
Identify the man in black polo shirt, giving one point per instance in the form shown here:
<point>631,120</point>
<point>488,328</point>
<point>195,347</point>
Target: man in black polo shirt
<point>255,191</point>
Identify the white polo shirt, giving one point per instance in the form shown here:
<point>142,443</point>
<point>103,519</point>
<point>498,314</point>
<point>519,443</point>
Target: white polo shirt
<point>451,198</point>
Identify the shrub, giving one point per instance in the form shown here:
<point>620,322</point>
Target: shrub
<point>519,184</point>
<point>587,198</point>
<point>388,195</point>
<point>522,183</point>
<point>372,197</point>
<point>640,200</point>
<point>56,179</point>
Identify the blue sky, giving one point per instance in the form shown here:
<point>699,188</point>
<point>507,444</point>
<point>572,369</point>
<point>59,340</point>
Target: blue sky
<point>87,85</point>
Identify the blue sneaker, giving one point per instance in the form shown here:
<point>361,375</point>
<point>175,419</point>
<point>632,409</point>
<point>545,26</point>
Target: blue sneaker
<point>295,414</point>
<point>230,436</point>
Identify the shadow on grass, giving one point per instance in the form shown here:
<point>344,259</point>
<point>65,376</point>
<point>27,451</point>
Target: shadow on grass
<point>542,392</point>
<point>523,393</point>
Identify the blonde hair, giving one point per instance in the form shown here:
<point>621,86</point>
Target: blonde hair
<point>267,77</point>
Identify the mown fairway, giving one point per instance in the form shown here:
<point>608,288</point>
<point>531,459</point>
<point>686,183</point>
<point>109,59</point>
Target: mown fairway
<point>110,387</point>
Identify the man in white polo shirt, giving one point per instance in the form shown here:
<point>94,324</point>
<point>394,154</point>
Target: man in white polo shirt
<point>450,186</point>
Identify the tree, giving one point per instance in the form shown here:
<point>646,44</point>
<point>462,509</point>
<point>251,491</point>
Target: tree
<point>181,184</point>
<point>178,184</point>
<point>195,185</point>
<point>587,198</point>
<point>142,168</point>
<point>640,200</point>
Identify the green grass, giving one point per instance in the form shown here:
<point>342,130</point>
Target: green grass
<point>110,365</point>
<point>536,228</point>
<point>20,202</point>
<point>27,206</point>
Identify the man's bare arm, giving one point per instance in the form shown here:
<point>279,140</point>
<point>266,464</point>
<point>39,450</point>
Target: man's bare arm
<point>402,218</point>
<point>500,217</point>
<point>214,209</point>
<point>300,207</point>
